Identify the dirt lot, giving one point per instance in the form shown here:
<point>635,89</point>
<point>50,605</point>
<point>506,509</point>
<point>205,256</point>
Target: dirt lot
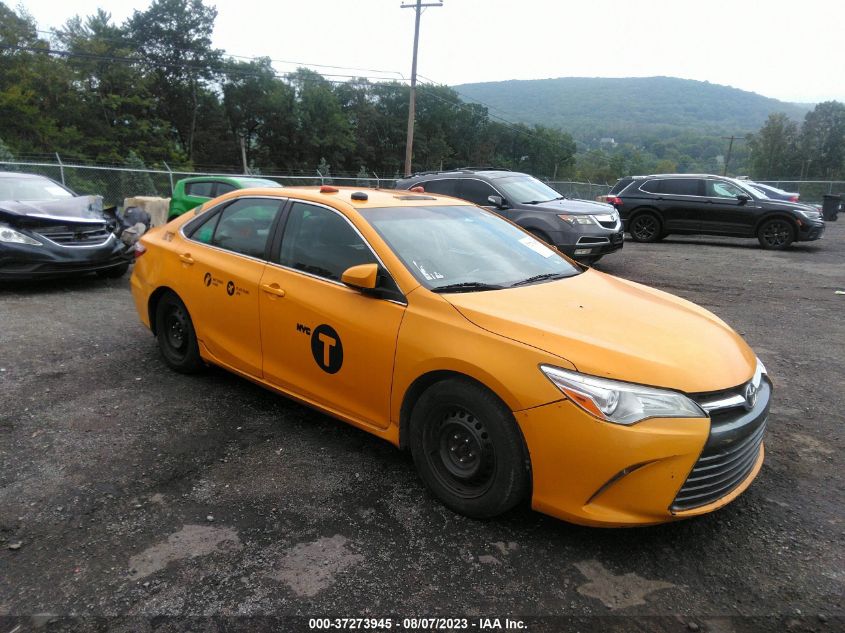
<point>128,491</point>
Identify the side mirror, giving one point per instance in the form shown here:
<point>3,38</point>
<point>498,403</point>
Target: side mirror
<point>362,277</point>
<point>497,201</point>
<point>743,198</point>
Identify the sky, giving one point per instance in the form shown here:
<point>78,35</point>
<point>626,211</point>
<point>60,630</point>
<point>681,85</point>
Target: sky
<point>783,49</point>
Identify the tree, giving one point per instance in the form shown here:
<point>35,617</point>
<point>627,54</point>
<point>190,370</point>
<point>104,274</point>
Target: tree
<point>137,183</point>
<point>173,41</point>
<point>822,140</point>
<point>774,150</point>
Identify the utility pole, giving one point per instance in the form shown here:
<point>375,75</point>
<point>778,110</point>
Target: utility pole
<point>409,143</point>
<point>731,138</point>
<point>243,154</point>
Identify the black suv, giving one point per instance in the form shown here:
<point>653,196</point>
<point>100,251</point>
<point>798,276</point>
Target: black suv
<point>652,207</point>
<point>584,230</point>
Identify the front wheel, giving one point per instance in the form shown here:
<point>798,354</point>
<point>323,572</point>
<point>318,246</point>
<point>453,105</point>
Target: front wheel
<point>776,234</point>
<point>177,340</point>
<point>468,449</point>
<point>645,228</point>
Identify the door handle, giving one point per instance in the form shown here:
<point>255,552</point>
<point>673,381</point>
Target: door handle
<point>186,258</point>
<point>273,289</point>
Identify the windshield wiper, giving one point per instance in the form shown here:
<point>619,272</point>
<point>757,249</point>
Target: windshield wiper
<point>542,201</point>
<point>541,277</point>
<point>467,286</point>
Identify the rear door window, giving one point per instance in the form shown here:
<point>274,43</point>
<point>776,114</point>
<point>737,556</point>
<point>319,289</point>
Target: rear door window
<point>224,187</point>
<point>651,186</point>
<point>446,187</point>
<point>681,187</point>
<point>203,189</point>
<point>242,227</point>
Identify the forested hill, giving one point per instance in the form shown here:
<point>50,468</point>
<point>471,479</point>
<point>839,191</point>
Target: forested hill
<point>629,109</point>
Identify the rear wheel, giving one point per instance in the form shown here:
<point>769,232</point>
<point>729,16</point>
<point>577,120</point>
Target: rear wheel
<point>468,449</point>
<point>775,234</point>
<point>177,340</point>
<point>645,227</point>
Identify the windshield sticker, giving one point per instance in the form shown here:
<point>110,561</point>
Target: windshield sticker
<point>537,247</point>
<point>429,275</point>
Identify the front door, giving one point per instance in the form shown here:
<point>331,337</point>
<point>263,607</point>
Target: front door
<point>724,213</point>
<point>322,340</point>
<point>224,258</point>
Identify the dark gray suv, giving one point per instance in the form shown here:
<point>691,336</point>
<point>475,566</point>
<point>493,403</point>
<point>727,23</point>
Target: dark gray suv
<point>584,230</point>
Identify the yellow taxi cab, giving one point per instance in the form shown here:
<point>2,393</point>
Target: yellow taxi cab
<point>509,371</point>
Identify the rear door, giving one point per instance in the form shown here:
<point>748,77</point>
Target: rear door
<point>724,214</point>
<point>680,200</point>
<point>223,259</point>
<point>322,340</point>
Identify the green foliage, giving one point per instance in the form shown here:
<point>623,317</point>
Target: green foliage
<point>774,148</point>
<point>6,155</point>
<point>823,141</point>
<point>137,183</point>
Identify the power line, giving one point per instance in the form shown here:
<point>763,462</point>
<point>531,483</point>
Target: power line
<point>247,57</point>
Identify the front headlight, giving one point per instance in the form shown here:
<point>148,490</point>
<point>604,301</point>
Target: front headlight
<point>607,217</point>
<point>11,236</point>
<point>576,219</point>
<point>810,215</point>
<point>621,402</point>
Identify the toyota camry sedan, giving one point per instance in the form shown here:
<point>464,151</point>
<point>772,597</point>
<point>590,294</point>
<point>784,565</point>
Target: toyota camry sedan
<point>441,327</point>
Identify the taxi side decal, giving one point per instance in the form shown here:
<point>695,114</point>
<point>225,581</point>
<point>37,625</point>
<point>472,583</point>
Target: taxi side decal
<point>327,348</point>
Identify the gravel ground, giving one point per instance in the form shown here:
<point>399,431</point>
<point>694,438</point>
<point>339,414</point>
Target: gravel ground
<point>134,498</point>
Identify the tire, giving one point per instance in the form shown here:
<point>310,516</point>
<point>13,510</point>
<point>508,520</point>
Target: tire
<point>776,234</point>
<point>468,449</point>
<point>177,340</point>
<point>113,273</point>
<point>645,227</point>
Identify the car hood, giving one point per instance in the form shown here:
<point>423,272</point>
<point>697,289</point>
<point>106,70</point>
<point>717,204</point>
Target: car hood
<point>618,329</point>
<point>784,204</point>
<point>78,209</point>
<point>572,206</point>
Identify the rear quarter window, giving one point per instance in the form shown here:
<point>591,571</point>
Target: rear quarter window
<point>199,189</point>
<point>621,184</point>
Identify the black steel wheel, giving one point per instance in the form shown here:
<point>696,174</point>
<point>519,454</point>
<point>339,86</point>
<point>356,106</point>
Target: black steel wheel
<point>645,227</point>
<point>468,449</point>
<point>177,340</point>
<point>776,234</point>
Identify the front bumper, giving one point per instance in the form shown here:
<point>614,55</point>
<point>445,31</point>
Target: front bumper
<point>809,231</point>
<point>595,473</point>
<point>23,261</point>
<point>589,246</point>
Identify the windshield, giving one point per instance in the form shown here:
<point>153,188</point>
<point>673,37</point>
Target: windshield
<point>28,188</point>
<point>524,189</point>
<point>465,248</point>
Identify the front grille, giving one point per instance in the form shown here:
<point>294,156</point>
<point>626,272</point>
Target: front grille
<point>74,235</point>
<point>730,453</point>
<point>609,225</point>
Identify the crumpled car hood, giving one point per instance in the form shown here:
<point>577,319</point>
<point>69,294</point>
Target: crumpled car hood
<point>78,209</point>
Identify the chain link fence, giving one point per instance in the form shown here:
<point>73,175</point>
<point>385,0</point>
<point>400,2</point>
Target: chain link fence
<point>118,183</point>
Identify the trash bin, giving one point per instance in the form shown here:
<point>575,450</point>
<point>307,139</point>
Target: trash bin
<point>830,206</point>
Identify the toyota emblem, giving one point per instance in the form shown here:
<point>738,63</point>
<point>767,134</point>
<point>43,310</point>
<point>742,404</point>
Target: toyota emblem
<point>750,395</point>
